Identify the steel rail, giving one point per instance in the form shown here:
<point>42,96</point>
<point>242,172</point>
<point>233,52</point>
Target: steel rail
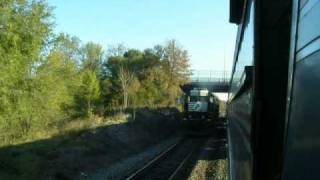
<point>140,172</point>
<point>175,173</point>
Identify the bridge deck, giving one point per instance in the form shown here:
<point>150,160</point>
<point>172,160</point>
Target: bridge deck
<point>215,81</point>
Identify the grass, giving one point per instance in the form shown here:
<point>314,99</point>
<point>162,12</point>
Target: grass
<point>83,146</point>
<point>210,169</point>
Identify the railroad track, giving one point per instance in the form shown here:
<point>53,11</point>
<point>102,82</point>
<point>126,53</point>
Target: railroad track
<point>170,162</point>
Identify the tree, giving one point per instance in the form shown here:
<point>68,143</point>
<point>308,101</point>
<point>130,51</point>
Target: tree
<point>177,61</point>
<point>125,77</point>
<point>69,46</point>
<point>20,54</point>
<point>59,75</point>
<point>46,79</point>
<point>116,50</point>
<point>89,91</point>
<point>92,58</point>
<point>176,64</point>
<point>147,78</point>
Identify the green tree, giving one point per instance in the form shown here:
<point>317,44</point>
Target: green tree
<point>149,78</point>
<point>89,91</point>
<point>20,54</point>
<point>46,79</point>
<point>59,76</point>
<point>116,50</point>
<point>92,57</point>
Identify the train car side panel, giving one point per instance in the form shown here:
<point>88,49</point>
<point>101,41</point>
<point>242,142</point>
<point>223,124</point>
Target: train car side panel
<point>303,138</point>
<point>240,101</point>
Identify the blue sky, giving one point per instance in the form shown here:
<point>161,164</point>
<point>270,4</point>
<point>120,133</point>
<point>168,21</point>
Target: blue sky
<point>200,26</point>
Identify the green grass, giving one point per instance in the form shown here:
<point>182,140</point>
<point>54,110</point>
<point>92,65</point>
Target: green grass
<point>83,145</point>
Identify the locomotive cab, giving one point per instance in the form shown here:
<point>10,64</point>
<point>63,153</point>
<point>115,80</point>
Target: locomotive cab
<point>200,106</point>
<point>197,104</point>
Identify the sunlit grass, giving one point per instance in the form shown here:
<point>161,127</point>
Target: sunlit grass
<point>212,169</point>
<point>91,143</point>
<point>70,126</point>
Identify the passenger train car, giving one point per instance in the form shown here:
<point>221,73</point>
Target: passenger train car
<point>274,99</point>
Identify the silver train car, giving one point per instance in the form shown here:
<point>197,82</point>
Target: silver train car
<point>273,108</point>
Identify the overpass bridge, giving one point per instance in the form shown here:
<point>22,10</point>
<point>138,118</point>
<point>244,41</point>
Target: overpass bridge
<point>215,81</point>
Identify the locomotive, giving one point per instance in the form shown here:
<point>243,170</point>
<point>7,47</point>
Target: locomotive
<point>200,106</point>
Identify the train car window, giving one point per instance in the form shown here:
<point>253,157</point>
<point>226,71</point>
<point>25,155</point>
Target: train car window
<point>308,32</point>
<point>245,54</point>
<point>302,3</point>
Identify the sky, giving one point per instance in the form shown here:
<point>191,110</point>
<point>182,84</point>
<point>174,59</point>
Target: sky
<point>201,26</point>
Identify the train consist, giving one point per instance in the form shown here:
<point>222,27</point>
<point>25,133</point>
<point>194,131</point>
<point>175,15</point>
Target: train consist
<point>201,106</point>
<point>273,108</point>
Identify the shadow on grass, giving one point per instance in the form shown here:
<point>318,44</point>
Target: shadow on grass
<point>70,154</point>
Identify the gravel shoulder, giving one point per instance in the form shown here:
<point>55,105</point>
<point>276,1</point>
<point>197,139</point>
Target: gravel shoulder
<point>212,163</point>
<point>129,165</point>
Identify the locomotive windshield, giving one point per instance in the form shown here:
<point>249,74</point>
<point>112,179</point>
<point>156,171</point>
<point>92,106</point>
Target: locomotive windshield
<point>197,95</point>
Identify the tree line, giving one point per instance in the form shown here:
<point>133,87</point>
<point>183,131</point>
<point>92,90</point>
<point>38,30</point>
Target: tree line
<point>48,79</point>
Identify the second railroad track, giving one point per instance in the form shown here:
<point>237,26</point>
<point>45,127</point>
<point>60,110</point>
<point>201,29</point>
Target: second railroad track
<point>169,163</point>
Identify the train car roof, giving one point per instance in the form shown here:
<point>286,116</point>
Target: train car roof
<point>236,10</point>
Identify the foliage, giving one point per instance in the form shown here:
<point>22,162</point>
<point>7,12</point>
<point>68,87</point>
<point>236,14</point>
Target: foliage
<point>157,72</point>
<point>48,79</point>
<point>20,51</point>
<point>89,92</point>
<point>92,57</point>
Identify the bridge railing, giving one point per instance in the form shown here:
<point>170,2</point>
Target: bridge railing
<point>210,76</point>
